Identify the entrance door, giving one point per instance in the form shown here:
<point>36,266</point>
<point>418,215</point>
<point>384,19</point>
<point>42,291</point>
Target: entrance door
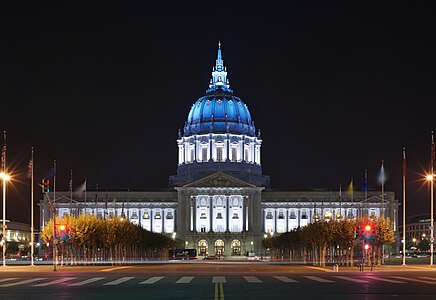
<point>202,248</point>
<point>219,247</point>
<point>236,248</point>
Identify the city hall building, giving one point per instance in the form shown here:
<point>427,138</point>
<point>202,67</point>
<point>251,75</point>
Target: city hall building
<point>219,202</point>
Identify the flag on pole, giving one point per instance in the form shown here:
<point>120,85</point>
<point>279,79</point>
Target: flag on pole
<point>404,162</point>
<point>70,184</point>
<point>432,152</point>
<point>4,152</point>
<point>30,168</point>
<point>82,188</point>
<point>365,182</point>
<point>382,174</point>
<point>350,189</point>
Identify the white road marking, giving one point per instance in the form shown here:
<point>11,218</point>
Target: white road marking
<point>219,279</point>
<point>114,269</point>
<point>151,280</point>
<point>428,278</point>
<point>384,279</point>
<point>118,281</point>
<point>7,279</point>
<point>185,279</point>
<point>315,278</point>
<point>252,279</point>
<point>412,279</point>
<point>285,279</point>
<point>22,282</point>
<point>351,279</point>
<point>90,280</point>
<point>60,280</point>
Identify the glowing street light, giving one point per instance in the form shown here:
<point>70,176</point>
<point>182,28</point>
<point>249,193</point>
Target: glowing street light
<point>430,177</point>
<point>5,177</point>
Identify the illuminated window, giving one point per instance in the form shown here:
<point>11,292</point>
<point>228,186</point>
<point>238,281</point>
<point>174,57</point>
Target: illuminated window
<point>234,154</point>
<point>204,153</point>
<point>146,216</point>
<point>219,153</point>
<point>157,215</point>
<point>169,215</point>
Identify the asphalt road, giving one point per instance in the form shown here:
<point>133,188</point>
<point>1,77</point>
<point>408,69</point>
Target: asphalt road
<point>217,281</point>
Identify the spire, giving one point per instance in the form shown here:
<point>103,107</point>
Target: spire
<point>219,74</point>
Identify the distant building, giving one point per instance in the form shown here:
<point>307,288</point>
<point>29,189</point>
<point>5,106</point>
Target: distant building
<point>417,227</point>
<point>219,202</point>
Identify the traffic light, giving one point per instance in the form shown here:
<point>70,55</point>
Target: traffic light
<point>367,233</point>
<point>366,247</point>
<point>45,185</point>
<point>368,228</point>
<point>63,232</point>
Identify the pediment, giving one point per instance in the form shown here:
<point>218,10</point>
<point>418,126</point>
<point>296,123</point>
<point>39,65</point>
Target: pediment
<point>219,179</point>
<point>64,199</point>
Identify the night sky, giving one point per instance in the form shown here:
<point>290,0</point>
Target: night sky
<point>102,88</point>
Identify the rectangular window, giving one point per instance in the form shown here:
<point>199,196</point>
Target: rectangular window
<point>281,216</point>
<point>219,153</point>
<point>246,155</point>
<point>234,154</point>
<point>304,215</point>
<point>292,215</point>
<point>204,154</point>
<point>192,154</point>
<point>269,215</point>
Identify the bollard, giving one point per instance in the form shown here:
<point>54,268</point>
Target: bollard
<point>335,268</point>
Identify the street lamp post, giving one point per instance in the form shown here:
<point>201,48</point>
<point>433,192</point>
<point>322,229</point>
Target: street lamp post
<point>5,178</point>
<point>430,177</point>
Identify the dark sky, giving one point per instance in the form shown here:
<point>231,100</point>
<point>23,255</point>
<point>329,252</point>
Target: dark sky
<point>103,87</point>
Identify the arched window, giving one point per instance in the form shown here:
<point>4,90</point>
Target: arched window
<point>236,247</point>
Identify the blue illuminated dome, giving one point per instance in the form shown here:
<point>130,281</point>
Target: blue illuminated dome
<point>219,136</point>
<point>219,111</point>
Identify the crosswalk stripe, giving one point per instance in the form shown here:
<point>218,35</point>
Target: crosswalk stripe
<point>7,279</point>
<point>60,280</point>
<point>185,279</point>
<point>428,278</point>
<point>118,281</point>
<point>351,279</point>
<point>22,282</point>
<point>285,279</point>
<point>252,279</point>
<point>319,279</point>
<point>151,280</point>
<point>219,279</point>
<point>412,279</point>
<point>90,280</point>
<point>384,279</point>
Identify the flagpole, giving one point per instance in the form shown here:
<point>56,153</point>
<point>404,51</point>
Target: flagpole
<point>366,193</point>
<point>383,189</point>
<point>340,201</point>
<point>96,200</point>
<point>404,206</point>
<point>431,198</point>
<point>71,191</point>
<point>32,232</point>
<point>85,196</point>
<point>55,248</point>
<point>4,197</point>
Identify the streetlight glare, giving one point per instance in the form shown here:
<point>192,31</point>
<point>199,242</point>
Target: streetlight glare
<point>5,176</point>
<point>429,177</point>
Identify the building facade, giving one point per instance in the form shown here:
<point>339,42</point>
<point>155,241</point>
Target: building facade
<point>220,202</point>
